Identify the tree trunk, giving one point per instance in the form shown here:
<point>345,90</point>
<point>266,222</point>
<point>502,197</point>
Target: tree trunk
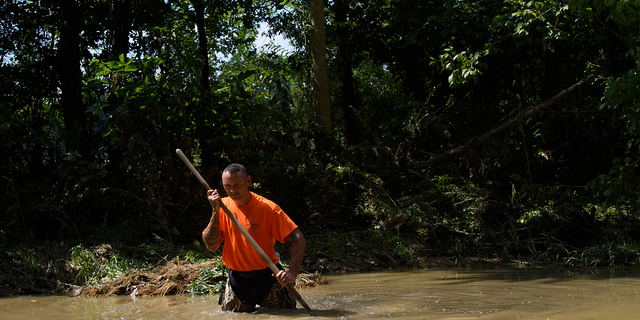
<point>120,28</point>
<point>70,76</point>
<point>320,75</point>
<point>409,60</point>
<point>348,101</point>
<point>202,131</point>
<point>120,12</point>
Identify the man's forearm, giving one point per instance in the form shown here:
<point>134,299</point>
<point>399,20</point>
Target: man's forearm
<point>211,234</point>
<point>298,244</point>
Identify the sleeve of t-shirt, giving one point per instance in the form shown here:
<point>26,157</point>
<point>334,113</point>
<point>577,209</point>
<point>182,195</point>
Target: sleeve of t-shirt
<point>223,224</point>
<point>283,225</point>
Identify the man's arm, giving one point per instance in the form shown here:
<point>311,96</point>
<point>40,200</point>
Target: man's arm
<point>298,244</point>
<point>211,234</point>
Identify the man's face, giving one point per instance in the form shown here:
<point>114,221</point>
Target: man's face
<point>237,186</point>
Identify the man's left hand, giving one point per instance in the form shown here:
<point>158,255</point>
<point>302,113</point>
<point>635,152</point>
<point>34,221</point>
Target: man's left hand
<point>285,277</point>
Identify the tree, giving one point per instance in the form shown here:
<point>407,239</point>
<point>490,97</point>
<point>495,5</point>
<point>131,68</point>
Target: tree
<point>205,95</point>
<point>348,101</point>
<point>70,77</point>
<point>320,73</point>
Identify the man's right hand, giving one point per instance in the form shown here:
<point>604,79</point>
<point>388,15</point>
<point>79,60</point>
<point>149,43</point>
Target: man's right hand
<point>214,199</point>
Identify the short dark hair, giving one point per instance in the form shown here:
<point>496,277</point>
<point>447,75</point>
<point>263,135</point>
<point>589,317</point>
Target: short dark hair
<point>235,168</point>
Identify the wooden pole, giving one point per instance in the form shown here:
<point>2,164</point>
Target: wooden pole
<point>246,234</point>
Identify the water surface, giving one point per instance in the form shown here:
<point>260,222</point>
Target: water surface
<point>408,294</point>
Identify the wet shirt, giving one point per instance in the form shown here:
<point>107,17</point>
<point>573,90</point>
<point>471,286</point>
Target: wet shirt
<point>265,222</point>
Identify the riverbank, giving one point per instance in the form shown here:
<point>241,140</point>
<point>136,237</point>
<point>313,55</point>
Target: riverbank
<point>105,269</point>
<point>156,266</point>
<point>160,268</point>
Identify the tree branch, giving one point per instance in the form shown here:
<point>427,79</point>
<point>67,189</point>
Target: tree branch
<point>507,126</point>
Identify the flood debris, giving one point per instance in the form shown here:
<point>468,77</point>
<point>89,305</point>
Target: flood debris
<point>174,278</point>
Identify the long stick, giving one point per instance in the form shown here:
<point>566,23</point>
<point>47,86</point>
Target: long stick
<point>246,234</point>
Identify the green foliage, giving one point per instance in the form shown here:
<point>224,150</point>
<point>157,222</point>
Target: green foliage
<point>623,13</point>
<point>464,66</point>
<point>374,247</point>
<point>619,188</point>
<point>93,269</point>
<point>613,254</point>
<point>208,281</point>
<point>427,76</point>
<point>622,95</point>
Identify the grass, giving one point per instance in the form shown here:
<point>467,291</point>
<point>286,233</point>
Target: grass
<point>93,267</point>
<point>607,255</point>
<point>208,281</point>
<point>58,267</point>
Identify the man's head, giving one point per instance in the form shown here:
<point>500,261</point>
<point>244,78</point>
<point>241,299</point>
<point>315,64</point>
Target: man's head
<point>236,181</point>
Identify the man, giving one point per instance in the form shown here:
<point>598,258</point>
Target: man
<point>250,280</point>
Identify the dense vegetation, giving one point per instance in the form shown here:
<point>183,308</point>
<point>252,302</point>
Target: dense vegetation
<point>497,129</point>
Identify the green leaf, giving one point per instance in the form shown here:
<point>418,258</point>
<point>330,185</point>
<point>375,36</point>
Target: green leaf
<point>130,68</point>
<point>246,74</point>
<point>114,65</point>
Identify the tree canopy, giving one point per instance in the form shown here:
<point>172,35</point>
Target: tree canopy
<point>97,95</point>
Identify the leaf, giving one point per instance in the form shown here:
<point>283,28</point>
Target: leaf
<point>245,74</point>
<point>114,65</point>
<point>130,68</point>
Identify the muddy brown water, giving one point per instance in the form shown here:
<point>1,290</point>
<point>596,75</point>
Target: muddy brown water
<point>503,293</point>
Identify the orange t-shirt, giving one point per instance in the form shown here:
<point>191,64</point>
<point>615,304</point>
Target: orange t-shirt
<point>265,222</point>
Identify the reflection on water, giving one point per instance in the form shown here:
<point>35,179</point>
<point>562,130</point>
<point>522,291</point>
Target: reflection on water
<point>423,294</point>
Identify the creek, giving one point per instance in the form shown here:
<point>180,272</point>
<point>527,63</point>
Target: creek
<point>491,293</point>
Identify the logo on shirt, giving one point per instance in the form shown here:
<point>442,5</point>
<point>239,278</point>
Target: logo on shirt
<point>253,226</point>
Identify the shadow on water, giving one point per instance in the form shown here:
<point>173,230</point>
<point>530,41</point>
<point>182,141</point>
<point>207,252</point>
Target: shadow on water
<point>331,313</point>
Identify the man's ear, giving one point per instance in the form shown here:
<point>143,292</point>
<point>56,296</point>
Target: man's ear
<point>249,179</point>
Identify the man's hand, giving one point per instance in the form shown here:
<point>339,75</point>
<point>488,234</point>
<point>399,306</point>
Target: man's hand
<point>285,277</point>
<point>214,199</point>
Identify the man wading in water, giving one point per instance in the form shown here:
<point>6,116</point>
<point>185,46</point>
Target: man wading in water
<point>250,280</point>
